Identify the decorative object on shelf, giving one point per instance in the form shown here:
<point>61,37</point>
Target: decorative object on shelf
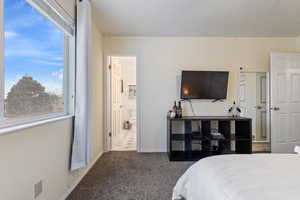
<point>218,136</point>
<point>171,114</point>
<point>127,125</point>
<point>179,110</point>
<point>174,109</point>
<point>131,91</point>
<point>234,110</point>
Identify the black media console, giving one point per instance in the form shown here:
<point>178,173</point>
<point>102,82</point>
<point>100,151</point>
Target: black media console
<point>190,138</point>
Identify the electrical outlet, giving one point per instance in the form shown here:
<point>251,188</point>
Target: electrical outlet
<point>38,189</point>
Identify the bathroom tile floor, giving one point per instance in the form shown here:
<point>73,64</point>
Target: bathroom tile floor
<point>125,141</point>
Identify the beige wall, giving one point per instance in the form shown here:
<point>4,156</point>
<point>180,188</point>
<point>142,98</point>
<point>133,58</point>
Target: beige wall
<point>42,152</point>
<point>34,154</point>
<point>298,44</point>
<point>97,93</point>
<point>160,61</point>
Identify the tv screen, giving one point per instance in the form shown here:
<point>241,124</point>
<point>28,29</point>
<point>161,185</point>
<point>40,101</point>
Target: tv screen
<point>204,85</point>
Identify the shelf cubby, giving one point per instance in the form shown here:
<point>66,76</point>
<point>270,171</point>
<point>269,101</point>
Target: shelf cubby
<point>190,138</point>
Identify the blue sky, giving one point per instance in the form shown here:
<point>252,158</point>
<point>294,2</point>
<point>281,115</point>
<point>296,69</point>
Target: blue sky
<point>33,46</point>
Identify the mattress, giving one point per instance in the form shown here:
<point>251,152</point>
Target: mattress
<point>242,177</point>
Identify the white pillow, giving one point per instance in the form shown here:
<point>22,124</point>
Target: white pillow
<point>297,149</point>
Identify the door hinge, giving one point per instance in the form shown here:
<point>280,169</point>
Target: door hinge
<point>109,66</point>
<point>109,134</point>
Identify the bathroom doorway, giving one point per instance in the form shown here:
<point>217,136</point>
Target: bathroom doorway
<point>123,103</point>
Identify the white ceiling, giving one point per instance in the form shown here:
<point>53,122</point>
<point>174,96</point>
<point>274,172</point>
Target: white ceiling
<point>253,18</point>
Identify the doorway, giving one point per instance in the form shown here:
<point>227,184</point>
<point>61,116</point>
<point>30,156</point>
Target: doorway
<point>123,135</point>
<point>253,101</point>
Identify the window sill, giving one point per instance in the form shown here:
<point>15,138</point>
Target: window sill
<point>7,130</point>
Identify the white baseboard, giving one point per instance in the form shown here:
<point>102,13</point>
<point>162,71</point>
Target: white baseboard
<point>68,192</point>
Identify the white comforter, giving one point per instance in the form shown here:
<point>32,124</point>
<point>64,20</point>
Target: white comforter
<point>242,177</point>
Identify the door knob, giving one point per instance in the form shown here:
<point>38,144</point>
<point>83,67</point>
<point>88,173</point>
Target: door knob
<point>275,108</point>
<point>258,107</point>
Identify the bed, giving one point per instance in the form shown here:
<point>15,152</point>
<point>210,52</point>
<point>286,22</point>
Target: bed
<point>241,177</point>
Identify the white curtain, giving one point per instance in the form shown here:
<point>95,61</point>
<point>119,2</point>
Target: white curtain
<point>81,148</point>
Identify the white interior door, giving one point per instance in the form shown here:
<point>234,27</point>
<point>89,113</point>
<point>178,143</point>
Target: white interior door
<point>261,107</point>
<point>116,77</point>
<point>285,102</point>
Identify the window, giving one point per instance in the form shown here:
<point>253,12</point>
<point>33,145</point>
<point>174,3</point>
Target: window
<point>35,67</point>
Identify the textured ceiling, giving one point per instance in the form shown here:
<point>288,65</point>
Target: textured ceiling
<point>240,18</point>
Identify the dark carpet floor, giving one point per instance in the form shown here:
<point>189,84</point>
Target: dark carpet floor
<point>130,176</point>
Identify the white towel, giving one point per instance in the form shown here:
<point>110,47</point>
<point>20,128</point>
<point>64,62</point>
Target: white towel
<point>297,149</point>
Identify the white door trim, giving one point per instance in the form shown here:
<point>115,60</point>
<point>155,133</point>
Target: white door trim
<point>107,100</point>
<point>269,133</point>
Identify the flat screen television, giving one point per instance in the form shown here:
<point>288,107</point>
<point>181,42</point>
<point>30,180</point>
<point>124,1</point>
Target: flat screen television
<point>204,85</point>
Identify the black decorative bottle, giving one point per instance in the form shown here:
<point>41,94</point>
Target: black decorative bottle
<point>179,110</point>
<point>175,109</point>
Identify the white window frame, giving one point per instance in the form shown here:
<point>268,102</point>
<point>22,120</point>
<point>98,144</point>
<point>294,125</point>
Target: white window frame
<point>68,84</point>
<point>1,61</point>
